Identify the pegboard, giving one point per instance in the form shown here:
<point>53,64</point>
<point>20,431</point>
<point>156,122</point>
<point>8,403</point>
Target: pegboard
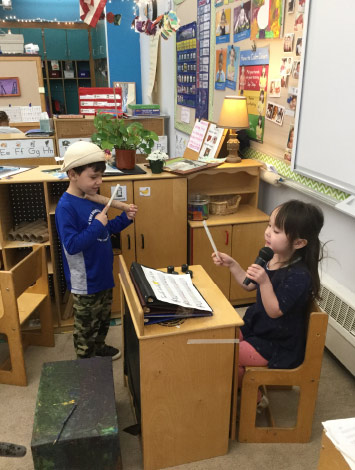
<point>27,202</point>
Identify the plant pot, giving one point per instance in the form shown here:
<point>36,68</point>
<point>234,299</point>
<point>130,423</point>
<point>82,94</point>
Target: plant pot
<point>125,159</point>
<point>156,166</point>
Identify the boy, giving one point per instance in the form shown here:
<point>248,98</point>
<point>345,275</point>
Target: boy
<point>84,231</point>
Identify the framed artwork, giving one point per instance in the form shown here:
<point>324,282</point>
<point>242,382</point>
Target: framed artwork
<point>9,86</point>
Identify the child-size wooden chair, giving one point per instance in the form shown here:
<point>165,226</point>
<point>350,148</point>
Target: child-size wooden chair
<point>24,289</point>
<point>306,377</point>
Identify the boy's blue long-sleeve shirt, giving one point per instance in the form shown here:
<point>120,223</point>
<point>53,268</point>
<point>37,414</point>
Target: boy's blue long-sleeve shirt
<point>86,244</point>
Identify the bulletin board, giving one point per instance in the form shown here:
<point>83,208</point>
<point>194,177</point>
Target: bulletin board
<point>275,136</point>
<point>28,70</point>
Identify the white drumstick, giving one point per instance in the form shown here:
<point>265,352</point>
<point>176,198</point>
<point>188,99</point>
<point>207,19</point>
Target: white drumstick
<point>113,195</point>
<point>211,240</point>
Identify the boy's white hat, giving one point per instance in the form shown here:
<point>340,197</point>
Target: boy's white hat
<point>82,153</point>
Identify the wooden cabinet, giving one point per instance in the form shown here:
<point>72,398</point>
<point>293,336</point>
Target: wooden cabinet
<point>158,237</point>
<point>241,235</point>
<point>161,222</point>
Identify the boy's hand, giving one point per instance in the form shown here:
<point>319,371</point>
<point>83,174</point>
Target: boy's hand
<point>131,211</point>
<point>102,216</point>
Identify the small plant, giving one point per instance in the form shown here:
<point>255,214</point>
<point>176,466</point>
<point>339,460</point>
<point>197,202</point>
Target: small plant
<point>112,132</point>
<point>157,155</point>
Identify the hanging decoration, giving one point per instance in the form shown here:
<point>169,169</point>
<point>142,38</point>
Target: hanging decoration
<point>91,10</point>
<point>114,18</point>
<point>165,25</point>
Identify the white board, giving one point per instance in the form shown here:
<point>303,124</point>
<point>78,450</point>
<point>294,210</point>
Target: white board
<point>324,127</point>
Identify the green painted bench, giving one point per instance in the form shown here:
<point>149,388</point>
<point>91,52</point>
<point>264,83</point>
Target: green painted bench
<point>75,424</point>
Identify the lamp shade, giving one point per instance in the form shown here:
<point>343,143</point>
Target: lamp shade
<point>234,113</point>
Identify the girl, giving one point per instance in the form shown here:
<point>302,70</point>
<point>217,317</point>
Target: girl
<point>274,330</point>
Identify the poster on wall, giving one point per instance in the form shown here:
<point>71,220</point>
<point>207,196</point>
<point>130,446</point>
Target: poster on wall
<point>241,27</point>
<point>253,84</point>
<point>232,67</point>
<point>203,57</point>
<point>223,25</point>
<point>186,64</point>
<point>266,19</point>
<point>221,60</point>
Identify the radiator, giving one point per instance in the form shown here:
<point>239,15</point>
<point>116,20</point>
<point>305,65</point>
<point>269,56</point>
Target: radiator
<point>339,303</point>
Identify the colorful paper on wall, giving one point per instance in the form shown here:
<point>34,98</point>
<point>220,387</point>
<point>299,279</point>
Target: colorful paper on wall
<point>223,25</point>
<point>267,19</point>
<point>232,66</point>
<point>253,78</point>
<point>241,27</point>
<point>221,59</point>
<point>203,54</point>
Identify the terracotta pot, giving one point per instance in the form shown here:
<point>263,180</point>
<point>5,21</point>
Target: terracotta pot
<point>125,159</point>
<point>156,165</point>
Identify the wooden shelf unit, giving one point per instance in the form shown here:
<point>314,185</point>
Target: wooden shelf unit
<point>158,237</point>
<point>230,232</point>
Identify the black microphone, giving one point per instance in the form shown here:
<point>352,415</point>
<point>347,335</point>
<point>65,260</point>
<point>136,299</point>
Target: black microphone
<point>265,255</point>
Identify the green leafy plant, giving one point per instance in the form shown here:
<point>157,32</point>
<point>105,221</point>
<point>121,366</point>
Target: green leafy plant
<point>112,132</point>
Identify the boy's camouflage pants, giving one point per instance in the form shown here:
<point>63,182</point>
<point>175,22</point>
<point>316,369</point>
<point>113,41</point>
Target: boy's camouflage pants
<point>91,321</point>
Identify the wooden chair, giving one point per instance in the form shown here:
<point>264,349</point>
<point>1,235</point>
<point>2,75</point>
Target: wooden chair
<point>24,289</point>
<point>306,377</point>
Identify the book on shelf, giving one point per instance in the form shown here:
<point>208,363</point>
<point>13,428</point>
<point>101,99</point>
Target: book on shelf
<point>144,109</point>
<point>165,297</point>
<point>202,150</point>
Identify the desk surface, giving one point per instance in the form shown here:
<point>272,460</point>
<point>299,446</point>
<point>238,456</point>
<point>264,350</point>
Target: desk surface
<point>36,175</point>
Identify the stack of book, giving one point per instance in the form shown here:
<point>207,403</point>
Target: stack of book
<point>166,297</point>
<point>144,109</point>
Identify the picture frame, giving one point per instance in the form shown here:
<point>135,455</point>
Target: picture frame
<point>9,86</point>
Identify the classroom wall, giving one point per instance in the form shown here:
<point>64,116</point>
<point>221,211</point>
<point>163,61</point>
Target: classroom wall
<point>339,229</point>
<point>124,57</point>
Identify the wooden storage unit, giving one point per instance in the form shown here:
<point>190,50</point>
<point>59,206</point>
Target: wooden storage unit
<point>241,235</point>
<point>160,224</point>
<point>61,42</point>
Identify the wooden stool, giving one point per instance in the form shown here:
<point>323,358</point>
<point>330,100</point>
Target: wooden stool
<point>306,377</point>
<point>75,424</point>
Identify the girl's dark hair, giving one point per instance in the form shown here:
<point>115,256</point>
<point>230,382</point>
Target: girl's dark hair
<point>301,220</point>
<point>96,166</point>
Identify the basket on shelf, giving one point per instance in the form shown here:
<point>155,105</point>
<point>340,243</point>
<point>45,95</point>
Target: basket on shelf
<point>224,204</point>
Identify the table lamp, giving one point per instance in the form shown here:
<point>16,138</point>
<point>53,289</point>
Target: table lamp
<point>234,116</point>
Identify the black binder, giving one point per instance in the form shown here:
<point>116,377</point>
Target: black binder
<point>155,310</point>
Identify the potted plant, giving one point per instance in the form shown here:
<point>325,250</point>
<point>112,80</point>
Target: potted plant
<point>113,133</point>
<point>157,160</point>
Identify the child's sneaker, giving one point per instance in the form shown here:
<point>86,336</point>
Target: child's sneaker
<point>263,403</point>
<point>109,351</point>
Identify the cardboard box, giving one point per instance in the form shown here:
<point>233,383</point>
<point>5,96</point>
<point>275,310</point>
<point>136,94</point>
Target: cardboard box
<point>76,408</point>
<point>11,43</point>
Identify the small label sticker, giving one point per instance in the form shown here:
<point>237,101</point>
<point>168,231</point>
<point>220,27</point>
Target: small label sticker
<point>121,194</point>
<point>144,191</point>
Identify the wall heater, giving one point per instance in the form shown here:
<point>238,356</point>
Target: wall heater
<point>339,303</point>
